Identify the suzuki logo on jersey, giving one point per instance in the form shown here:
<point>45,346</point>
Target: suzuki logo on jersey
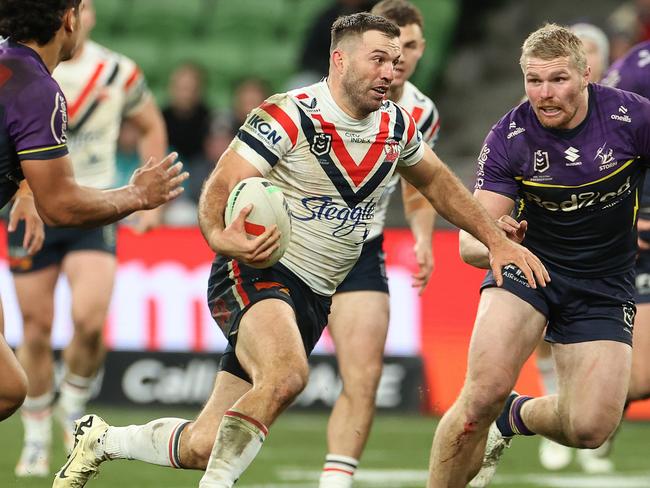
<point>580,200</point>
<point>264,128</point>
<point>321,144</point>
<point>541,161</point>
<point>622,118</point>
<point>572,154</point>
<point>347,219</point>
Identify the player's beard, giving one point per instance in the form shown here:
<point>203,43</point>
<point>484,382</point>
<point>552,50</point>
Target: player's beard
<point>359,93</point>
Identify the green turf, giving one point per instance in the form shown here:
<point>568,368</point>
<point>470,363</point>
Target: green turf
<point>396,457</point>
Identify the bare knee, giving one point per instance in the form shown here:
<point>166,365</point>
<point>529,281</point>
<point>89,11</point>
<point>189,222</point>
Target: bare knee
<point>361,384</point>
<point>283,386</point>
<point>37,333</point>
<point>484,402</point>
<point>14,391</point>
<point>590,432</point>
<point>88,331</point>
<point>196,447</point>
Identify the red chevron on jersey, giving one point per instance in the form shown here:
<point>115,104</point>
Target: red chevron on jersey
<point>357,173</point>
<point>76,105</point>
<point>283,119</point>
<point>417,113</point>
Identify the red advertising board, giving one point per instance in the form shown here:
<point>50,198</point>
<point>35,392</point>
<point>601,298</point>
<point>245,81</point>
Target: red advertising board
<point>159,305</point>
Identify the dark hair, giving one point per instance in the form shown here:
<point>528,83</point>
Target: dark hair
<point>399,11</point>
<point>33,20</point>
<point>357,24</point>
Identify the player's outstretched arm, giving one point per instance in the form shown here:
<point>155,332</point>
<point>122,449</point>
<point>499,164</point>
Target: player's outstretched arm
<point>421,217</point>
<point>232,241</point>
<point>62,202</point>
<point>453,201</point>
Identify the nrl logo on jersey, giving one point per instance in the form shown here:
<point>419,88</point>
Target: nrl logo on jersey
<point>541,162</point>
<point>321,144</point>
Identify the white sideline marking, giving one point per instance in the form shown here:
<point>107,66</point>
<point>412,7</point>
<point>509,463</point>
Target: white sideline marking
<point>395,478</point>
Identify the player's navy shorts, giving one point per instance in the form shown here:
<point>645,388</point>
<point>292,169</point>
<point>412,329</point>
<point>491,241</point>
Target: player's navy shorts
<point>578,309</point>
<point>643,277</point>
<point>58,242</point>
<point>369,272</point>
<point>233,288</point>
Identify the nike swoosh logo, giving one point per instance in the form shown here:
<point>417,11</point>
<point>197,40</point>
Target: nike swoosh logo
<point>62,474</point>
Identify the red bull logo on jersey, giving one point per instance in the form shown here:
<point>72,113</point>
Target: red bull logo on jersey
<point>347,219</point>
<point>263,128</point>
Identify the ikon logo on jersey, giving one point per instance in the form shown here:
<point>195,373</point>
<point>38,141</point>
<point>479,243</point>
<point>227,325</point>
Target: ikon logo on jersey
<point>264,128</point>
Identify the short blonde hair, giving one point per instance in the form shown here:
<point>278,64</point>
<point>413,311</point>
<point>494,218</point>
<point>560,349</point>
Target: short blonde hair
<point>554,41</point>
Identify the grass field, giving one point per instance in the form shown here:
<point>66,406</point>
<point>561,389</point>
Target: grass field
<point>396,457</point>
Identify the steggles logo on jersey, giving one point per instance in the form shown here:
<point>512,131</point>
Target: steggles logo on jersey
<point>347,219</point>
<point>541,162</point>
<point>321,144</point>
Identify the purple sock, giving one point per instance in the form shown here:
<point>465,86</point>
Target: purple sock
<point>514,418</point>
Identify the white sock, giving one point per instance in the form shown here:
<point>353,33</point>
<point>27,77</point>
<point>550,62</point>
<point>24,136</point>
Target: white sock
<point>36,414</point>
<point>155,443</point>
<point>238,441</point>
<point>74,395</point>
<point>546,367</point>
<point>338,471</point>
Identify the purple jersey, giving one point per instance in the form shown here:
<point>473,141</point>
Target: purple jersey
<point>632,73</point>
<point>33,111</point>
<point>578,189</point>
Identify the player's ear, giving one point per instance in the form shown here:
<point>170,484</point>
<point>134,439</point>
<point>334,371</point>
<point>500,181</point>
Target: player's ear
<point>338,59</point>
<point>70,19</point>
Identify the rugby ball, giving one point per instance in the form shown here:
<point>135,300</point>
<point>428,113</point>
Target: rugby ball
<point>269,207</point>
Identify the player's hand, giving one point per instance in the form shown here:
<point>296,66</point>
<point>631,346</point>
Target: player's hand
<point>146,220</point>
<point>506,252</point>
<point>159,182</point>
<point>516,231</point>
<point>424,258</point>
<point>233,241</point>
<point>24,209</point>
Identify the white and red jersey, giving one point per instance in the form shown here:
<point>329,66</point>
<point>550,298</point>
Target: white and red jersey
<point>101,87</point>
<point>332,169</point>
<point>425,114</point>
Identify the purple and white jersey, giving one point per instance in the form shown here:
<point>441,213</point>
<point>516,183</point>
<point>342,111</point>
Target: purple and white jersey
<point>578,189</point>
<point>34,114</point>
<point>632,73</point>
